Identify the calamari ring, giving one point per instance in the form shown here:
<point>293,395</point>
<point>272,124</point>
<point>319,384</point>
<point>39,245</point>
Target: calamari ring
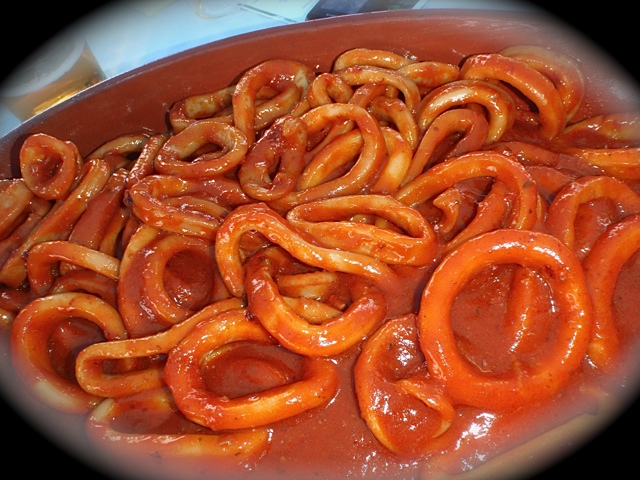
<point>370,56</point>
<point>272,73</point>
<point>472,125</point>
<point>563,211</point>
<point>30,333</point>
<point>333,336</point>
<point>58,223</point>
<point>563,71</point>
<point>263,219</point>
<point>282,146</point>
<point>463,383</point>
<point>20,224</point>
<point>91,227</point>
<point>602,266</point>
<point>236,448</point>
<point>611,130</point>
<point>174,157</point>
<point>43,256</point>
<point>318,385</point>
<point>399,156</point>
<point>161,251</point>
<point>328,223</point>
<point>328,88</point>
<point>524,214</point>
<point>498,103</point>
<point>317,176</point>
<point>196,107</point>
<point>428,75</point>
<point>123,146</point>
<point>88,281</point>
<point>395,111</point>
<point>622,163</point>
<point>143,165</point>
<point>392,394</point>
<point>365,74</point>
<point>15,201</point>
<point>535,85</point>
<point>49,166</point>
<point>193,207</point>
<point>89,363</point>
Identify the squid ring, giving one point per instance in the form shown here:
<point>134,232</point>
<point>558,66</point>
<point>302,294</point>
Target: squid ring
<point>272,73</point>
<point>43,255</point>
<point>366,74</point>
<point>172,157</point>
<point>185,206</point>
<point>282,145</point>
<point>327,222</point>
<point>94,380</point>
<point>476,164</point>
<point>496,100</point>
<point>259,217</point>
<point>48,165</point>
<point>154,265</point>
<point>236,447</point>
<point>563,210</point>
<point>465,384</point>
<point>184,377</point>
<point>561,70</point>
<point>602,264</point>
<point>533,84</point>
<point>294,332</point>
<point>392,404</point>
<point>30,333</point>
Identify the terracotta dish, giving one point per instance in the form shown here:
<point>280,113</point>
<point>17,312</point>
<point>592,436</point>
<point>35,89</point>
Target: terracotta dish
<point>140,101</point>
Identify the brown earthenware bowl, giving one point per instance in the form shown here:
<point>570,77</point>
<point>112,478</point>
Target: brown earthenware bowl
<point>140,100</point>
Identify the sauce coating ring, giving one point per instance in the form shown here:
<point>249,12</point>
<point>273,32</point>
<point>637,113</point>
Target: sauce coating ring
<point>183,375</point>
<point>463,382</point>
<point>333,335</point>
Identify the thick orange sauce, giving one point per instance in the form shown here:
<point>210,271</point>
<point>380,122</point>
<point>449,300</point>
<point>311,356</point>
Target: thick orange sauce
<point>334,441</point>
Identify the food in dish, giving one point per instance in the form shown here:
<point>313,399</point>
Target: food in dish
<point>399,267</point>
